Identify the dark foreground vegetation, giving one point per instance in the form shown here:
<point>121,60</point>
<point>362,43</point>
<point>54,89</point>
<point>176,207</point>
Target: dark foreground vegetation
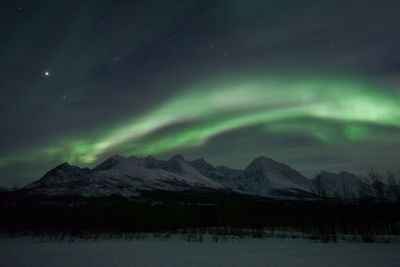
<point>320,219</point>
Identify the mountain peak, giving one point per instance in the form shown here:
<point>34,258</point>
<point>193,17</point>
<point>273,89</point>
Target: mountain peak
<point>273,175</point>
<point>201,162</point>
<point>343,184</point>
<point>264,162</point>
<point>116,156</point>
<point>109,163</point>
<point>60,168</point>
<point>63,165</point>
<point>202,166</point>
<point>150,161</point>
<point>324,173</point>
<point>176,157</point>
<point>61,174</point>
<point>265,159</point>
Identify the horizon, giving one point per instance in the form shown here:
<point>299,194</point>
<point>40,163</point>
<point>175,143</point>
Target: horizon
<point>363,175</point>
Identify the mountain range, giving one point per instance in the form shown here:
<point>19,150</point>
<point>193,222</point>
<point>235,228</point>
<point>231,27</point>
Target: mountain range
<point>138,176</point>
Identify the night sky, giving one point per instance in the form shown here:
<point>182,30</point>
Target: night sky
<point>315,84</point>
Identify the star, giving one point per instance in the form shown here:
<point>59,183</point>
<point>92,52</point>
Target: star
<point>46,74</point>
<point>116,59</point>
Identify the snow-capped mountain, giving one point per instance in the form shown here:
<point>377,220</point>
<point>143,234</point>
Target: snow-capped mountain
<point>124,176</point>
<point>345,185</point>
<point>264,175</point>
<point>228,177</point>
<point>131,176</point>
<point>340,185</point>
<point>63,174</point>
<point>134,175</point>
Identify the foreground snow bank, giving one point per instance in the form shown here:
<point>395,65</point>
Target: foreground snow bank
<point>174,252</point>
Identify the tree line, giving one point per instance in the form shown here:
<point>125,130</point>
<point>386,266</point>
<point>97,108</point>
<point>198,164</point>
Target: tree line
<point>323,218</point>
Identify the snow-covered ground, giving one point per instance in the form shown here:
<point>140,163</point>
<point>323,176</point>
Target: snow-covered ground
<point>174,252</point>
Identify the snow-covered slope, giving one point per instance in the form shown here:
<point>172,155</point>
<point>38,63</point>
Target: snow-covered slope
<point>178,165</point>
<point>63,173</point>
<point>124,176</point>
<point>228,177</point>
<point>266,176</point>
<point>340,185</point>
<point>263,176</point>
<point>346,185</point>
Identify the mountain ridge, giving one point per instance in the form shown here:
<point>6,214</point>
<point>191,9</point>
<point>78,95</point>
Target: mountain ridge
<point>131,176</point>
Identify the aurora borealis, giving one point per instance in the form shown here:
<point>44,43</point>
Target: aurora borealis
<point>312,84</point>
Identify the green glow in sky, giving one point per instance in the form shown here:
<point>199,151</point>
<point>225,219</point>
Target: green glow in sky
<point>306,105</point>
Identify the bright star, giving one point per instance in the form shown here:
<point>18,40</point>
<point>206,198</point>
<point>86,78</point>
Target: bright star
<point>46,74</point>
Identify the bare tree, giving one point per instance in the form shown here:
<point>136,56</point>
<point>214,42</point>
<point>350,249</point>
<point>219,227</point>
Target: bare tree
<point>345,191</point>
<point>364,189</point>
<point>394,187</point>
<point>319,186</point>
<point>377,184</point>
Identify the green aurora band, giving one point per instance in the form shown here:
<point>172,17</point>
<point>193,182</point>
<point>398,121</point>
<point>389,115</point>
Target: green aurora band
<point>307,105</point>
